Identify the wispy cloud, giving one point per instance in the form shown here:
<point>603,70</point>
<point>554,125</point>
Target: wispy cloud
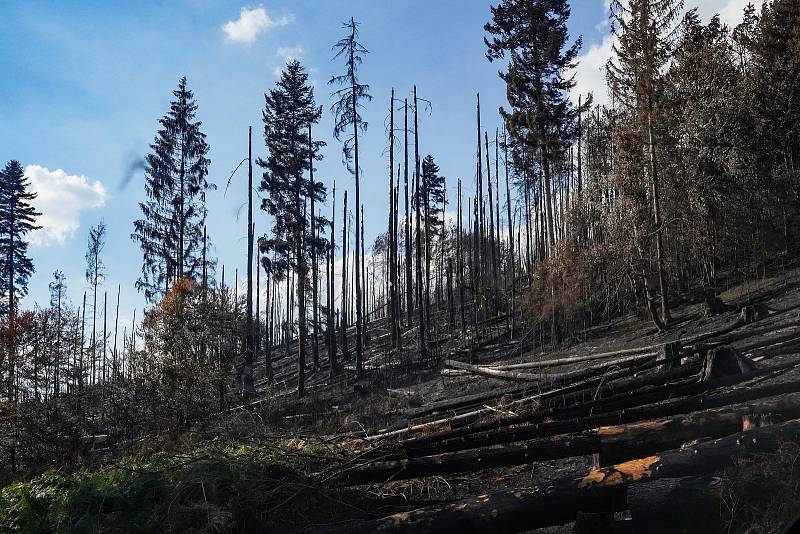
<point>289,53</point>
<point>251,22</point>
<point>60,199</point>
<point>590,75</point>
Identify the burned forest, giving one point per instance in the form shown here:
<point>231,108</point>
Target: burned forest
<point>520,271</point>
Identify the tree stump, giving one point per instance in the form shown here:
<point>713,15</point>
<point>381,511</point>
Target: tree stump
<point>725,361</point>
<point>713,305</point>
<point>669,354</point>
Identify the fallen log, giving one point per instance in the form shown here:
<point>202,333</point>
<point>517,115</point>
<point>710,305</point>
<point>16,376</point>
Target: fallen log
<point>512,434</point>
<point>585,386</point>
<point>559,501</point>
<point>620,402</point>
<point>495,372</point>
<point>577,359</point>
<point>535,451</point>
<point>770,341</point>
<point>613,444</point>
<point>666,506</point>
<point>490,372</point>
<point>467,400</point>
<point>448,405</point>
<point>623,442</point>
<point>738,323</point>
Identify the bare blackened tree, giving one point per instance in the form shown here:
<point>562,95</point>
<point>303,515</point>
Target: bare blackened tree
<point>348,101</point>
<point>95,273</point>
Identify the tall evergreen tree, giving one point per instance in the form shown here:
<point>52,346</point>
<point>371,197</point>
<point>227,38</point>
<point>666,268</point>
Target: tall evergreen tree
<point>432,191</point>
<point>349,98</point>
<point>289,111</point>
<point>533,34</point>
<point>17,220</point>
<point>774,97</point>
<point>431,196</point>
<point>644,32</point>
<point>170,232</point>
<point>702,115</point>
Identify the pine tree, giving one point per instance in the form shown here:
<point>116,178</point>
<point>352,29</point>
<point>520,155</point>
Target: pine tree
<point>533,33</point>
<point>170,232</point>
<point>349,98</point>
<point>17,220</point>
<point>289,112</point>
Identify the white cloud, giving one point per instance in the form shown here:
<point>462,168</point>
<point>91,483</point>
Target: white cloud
<point>590,76</point>
<point>730,11</point>
<point>250,23</point>
<point>60,199</point>
<point>290,53</point>
<point>287,54</point>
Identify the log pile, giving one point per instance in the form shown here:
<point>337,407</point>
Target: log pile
<point>681,408</point>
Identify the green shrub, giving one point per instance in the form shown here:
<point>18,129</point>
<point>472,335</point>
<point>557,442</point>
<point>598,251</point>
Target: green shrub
<point>246,489</point>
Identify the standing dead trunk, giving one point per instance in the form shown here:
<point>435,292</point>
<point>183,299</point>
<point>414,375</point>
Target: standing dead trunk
<point>345,350</point>
<point>331,288</point>
<point>314,265</point>
<point>105,331</point>
<point>460,261</point>
<point>422,343</point>
<point>409,278</point>
<point>114,368</point>
<point>511,266</point>
<point>492,243</point>
<point>665,315</point>
<point>248,388</point>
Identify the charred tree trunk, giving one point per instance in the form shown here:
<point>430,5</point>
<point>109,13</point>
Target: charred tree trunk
<point>422,342</point>
<point>345,350</point>
<point>314,265</point>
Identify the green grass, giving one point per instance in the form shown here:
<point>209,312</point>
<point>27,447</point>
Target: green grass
<point>244,489</point>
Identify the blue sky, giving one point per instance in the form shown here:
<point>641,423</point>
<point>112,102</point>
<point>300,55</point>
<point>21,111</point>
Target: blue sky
<point>84,83</point>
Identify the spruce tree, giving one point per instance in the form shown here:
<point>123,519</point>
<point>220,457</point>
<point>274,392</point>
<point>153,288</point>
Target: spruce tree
<point>17,220</point>
<point>170,232</point>
<point>644,32</point>
<point>774,98</point>
<point>431,196</point>
<point>533,34</point>
<point>288,114</point>
<point>432,191</point>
